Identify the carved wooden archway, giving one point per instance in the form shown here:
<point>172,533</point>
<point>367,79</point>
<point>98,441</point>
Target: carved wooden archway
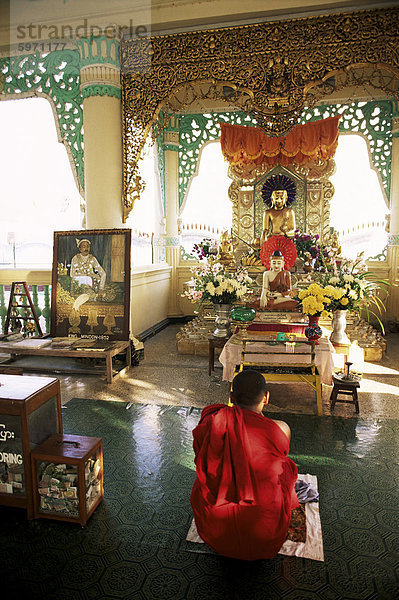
<point>272,70</point>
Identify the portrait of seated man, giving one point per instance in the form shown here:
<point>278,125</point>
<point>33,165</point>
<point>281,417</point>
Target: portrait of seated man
<point>245,487</point>
<point>86,270</point>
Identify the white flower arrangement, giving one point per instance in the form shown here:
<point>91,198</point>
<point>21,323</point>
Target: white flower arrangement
<point>211,283</point>
<point>354,289</point>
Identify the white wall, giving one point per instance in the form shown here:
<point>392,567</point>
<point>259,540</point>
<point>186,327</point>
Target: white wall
<point>148,294</point>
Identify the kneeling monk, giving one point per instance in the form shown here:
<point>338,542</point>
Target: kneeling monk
<point>245,487</point>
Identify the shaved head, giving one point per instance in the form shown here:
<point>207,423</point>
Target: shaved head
<point>249,387</point>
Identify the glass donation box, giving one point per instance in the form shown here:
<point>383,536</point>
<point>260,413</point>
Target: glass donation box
<point>67,472</point>
<point>30,411</point>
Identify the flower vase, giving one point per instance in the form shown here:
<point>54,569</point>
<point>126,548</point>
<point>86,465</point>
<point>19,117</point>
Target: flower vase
<point>313,331</point>
<point>222,320</point>
<point>338,335</point>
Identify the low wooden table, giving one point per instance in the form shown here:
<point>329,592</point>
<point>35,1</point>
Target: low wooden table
<point>116,348</point>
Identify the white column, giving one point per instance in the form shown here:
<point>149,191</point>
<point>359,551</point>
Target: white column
<point>103,161</point>
<point>102,123</point>
<point>172,241</point>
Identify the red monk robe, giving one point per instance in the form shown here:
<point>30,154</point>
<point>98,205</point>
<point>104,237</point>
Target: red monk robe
<point>245,487</point>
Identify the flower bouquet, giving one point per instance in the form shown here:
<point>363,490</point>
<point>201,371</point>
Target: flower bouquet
<point>307,245</point>
<point>202,250</point>
<point>211,283</point>
<point>315,299</point>
<point>312,252</point>
<point>355,289</point>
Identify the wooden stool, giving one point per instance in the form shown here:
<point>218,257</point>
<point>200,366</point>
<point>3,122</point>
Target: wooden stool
<point>214,342</point>
<point>346,387</point>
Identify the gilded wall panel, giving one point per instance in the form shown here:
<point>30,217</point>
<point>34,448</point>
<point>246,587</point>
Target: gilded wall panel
<point>272,70</point>
<point>299,204</point>
<point>311,205</point>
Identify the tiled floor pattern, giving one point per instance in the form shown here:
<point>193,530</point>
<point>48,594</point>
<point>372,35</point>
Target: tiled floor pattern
<point>166,377</point>
<point>133,547</point>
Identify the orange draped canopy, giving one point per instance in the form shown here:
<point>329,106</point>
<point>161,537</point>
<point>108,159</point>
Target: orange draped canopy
<point>304,143</point>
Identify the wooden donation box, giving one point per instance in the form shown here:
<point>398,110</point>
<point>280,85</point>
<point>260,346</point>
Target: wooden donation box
<point>30,411</point>
<point>67,472</point>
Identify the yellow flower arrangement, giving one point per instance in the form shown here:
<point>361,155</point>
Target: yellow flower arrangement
<point>315,299</point>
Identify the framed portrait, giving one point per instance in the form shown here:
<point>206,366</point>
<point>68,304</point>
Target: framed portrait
<point>90,295</point>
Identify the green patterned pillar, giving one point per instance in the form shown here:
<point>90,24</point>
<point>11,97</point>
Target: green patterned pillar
<point>101,92</point>
<point>3,308</point>
<point>35,300</point>
<point>47,310</point>
<point>393,240</point>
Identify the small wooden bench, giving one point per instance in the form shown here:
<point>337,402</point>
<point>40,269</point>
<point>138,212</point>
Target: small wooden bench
<point>346,387</point>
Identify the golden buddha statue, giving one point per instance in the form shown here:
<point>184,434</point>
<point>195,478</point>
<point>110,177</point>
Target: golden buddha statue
<point>279,219</point>
<point>225,255</point>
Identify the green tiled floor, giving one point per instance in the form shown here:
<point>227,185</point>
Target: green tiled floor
<point>133,547</point>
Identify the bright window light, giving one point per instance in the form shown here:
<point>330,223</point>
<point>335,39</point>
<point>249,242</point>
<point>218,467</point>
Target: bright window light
<point>208,200</point>
<point>146,218</point>
<point>358,207</point>
<point>39,194</point>
<point>208,204</point>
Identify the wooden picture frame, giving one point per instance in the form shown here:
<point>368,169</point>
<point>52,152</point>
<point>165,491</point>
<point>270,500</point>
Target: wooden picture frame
<point>90,294</point>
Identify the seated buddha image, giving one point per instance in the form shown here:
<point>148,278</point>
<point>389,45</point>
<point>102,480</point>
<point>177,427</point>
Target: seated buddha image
<point>280,218</point>
<point>276,286</point>
<point>225,254</point>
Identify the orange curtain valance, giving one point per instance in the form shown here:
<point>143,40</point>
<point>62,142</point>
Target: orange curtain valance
<point>309,142</point>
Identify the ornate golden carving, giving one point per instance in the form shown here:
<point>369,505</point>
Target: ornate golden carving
<point>246,198</point>
<point>312,203</point>
<point>328,193</point>
<point>316,171</point>
<point>234,195</point>
<point>272,70</point>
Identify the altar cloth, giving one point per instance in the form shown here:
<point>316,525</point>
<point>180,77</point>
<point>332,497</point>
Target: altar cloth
<point>312,548</point>
<point>231,356</point>
<point>285,327</point>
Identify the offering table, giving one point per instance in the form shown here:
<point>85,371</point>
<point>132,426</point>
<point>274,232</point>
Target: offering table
<point>275,359</point>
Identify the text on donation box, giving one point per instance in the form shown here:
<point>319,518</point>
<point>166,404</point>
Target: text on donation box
<point>12,479</point>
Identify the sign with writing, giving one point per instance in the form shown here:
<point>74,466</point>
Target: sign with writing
<point>12,479</point>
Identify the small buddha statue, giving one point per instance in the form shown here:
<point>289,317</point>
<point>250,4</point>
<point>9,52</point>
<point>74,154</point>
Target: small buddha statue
<point>225,255</point>
<point>277,286</point>
<point>279,219</point>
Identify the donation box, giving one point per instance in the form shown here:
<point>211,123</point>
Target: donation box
<point>67,475</point>
<point>30,411</point>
